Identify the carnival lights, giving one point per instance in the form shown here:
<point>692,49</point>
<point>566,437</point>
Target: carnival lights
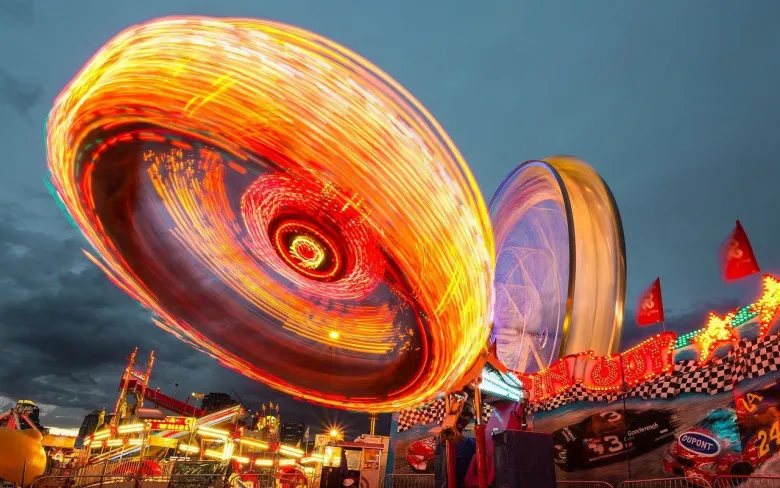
<point>254,443</point>
<point>718,331</point>
<point>130,428</point>
<point>314,458</point>
<point>645,361</point>
<point>768,306</point>
<point>212,432</point>
<point>189,448</point>
<point>101,435</point>
<point>310,207</point>
<point>241,459</point>
<point>290,451</point>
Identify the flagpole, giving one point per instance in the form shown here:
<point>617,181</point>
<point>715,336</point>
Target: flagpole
<point>624,392</point>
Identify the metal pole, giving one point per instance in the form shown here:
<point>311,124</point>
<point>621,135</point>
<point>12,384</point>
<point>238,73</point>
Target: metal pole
<point>139,473</point>
<point>24,470</point>
<point>372,423</point>
<point>449,450</point>
<point>103,474</point>
<point>625,421</point>
<point>479,430</point>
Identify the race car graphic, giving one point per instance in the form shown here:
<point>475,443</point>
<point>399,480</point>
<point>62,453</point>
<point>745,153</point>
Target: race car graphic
<point>420,455</point>
<point>709,448</point>
<point>604,436</point>
<point>727,441</point>
<point>758,417</point>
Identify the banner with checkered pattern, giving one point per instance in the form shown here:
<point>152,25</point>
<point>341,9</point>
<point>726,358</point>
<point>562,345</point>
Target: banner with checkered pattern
<point>747,360</point>
<point>429,414</point>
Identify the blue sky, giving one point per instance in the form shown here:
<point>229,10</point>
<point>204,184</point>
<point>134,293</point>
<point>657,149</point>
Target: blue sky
<point>674,102</point>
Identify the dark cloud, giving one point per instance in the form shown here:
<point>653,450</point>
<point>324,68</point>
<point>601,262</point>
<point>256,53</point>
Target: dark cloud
<point>65,332</point>
<point>18,94</point>
<point>17,11</point>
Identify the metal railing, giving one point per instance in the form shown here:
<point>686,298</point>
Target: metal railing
<point>200,480</point>
<point>666,483</point>
<point>407,481</point>
<point>266,480</point>
<point>78,481</point>
<point>752,481</point>
<point>582,484</point>
<point>253,480</point>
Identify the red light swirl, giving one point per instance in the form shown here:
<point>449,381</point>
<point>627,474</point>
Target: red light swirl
<point>281,204</point>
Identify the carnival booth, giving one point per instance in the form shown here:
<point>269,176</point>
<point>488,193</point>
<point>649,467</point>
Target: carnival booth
<point>352,464</point>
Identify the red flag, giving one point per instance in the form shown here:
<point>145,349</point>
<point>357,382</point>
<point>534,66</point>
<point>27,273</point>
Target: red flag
<point>738,258</point>
<point>651,306</point>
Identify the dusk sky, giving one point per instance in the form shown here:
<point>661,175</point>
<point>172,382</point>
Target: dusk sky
<point>674,102</point>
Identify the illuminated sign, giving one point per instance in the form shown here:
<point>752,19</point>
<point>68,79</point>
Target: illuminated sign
<point>157,441</point>
<point>643,362</point>
<point>180,424</point>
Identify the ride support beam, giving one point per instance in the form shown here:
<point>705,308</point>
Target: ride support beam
<point>449,452</point>
<point>479,431</point>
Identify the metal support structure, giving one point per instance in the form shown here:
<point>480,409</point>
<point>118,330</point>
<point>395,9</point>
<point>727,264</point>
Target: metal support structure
<point>140,401</point>
<point>103,474</point>
<point>140,471</point>
<point>372,423</point>
<point>479,431</point>
<point>449,446</point>
<point>123,390</point>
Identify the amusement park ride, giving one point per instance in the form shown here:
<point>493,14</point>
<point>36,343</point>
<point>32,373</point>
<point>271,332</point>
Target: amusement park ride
<point>286,207</point>
<point>191,433</point>
<point>22,458</point>
<point>311,226</point>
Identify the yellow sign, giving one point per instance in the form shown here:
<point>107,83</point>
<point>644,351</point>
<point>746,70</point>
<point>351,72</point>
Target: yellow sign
<point>66,442</point>
<point>157,441</point>
<point>178,424</point>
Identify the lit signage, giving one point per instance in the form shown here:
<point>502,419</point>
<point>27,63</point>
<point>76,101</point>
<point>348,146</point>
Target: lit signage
<point>180,424</point>
<point>643,362</point>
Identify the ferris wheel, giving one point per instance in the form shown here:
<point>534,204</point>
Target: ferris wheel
<point>560,264</point>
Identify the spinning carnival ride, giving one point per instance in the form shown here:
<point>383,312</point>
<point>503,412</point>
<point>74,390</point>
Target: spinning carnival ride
<point>560,270</point>
<point>284,206</point>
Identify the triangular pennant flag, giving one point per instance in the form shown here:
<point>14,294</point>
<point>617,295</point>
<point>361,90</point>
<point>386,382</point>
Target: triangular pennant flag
<point>651,306</point>
<point>737,255</point>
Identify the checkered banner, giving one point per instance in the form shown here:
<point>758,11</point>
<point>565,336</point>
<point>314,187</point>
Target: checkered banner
<point>429,414</point>
<point>748,359</point>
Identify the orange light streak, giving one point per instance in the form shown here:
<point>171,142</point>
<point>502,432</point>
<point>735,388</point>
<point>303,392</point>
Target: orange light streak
<point>316,127</point>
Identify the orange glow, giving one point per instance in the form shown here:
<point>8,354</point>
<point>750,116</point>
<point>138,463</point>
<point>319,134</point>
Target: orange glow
<point>717,332</point>
<point>768,305</point>
<point>643,362</point>
<point>235,122</point>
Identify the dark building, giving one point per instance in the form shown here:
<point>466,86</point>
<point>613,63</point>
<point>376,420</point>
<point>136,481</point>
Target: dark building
<point>90,423</point>
<point>216,401</point>
<point>292,433</point>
